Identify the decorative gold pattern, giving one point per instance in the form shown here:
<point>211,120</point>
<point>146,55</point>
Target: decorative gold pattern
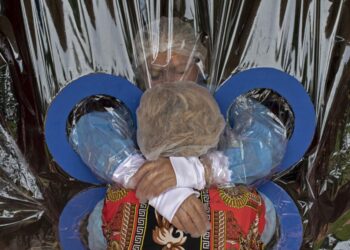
<point>219,230</point>
<point>141,227</point>
<point>114,245</point>
<point>163,235</point>
<point>205,239</point>
<point>116,194</point>
<point>114,228</point>
<point>239,197</point>
<point>127,225</point>
<point>225,233</point>
<point>252,241</point>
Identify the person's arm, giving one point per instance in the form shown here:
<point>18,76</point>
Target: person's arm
<point>103,140</point>
<point>156,177</point>
<point>183,209</point>
<point>248,152</point>
<point>251,149</point>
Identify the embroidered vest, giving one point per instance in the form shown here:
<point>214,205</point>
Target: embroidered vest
<point>237,217</point>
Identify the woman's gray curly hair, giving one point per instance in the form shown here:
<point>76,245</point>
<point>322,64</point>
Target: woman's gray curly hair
<point>168,34</point>
<point>178,119</point>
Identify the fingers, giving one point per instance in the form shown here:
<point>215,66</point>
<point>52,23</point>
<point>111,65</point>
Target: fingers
<point>200,211</point>
<point>146,185</point>
<point>149,188</point>
<point>191,217</point>
<point>141,173</point>
<point>195,209</point>
<point>188,223</point>
<point>177,223</point>
<point>154,178</point>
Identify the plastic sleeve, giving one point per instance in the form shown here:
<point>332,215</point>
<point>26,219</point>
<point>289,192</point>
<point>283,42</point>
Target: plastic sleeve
<point>255,144</point>
<point>218,164</point>
<point>127,169</point>
<point>103,142</point>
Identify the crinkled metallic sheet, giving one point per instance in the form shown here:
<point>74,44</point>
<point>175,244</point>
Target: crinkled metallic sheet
<point>45,44</point>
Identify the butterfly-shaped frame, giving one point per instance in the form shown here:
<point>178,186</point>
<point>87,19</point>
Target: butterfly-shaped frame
<point>240,83</point>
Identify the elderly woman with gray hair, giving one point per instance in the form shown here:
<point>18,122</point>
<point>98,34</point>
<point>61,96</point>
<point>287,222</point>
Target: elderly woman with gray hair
<point>181,143</point>
<point>168,50</point>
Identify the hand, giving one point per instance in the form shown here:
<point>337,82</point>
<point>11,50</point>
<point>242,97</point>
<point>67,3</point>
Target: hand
<point>191,217</point>
<point>153,178</point>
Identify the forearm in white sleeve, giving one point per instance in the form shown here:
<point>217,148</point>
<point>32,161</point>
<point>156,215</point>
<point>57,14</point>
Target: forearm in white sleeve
<point>189,172</point>
<point>169,202</point>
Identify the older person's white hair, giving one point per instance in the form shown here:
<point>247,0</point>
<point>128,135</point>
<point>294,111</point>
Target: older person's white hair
<point>168,35</point>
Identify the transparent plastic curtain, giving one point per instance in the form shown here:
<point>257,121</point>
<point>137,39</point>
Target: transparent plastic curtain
<point>46,44</point>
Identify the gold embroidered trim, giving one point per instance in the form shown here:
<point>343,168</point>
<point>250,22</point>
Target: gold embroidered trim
<point>219,230</point>
<point>252,241</point>
<point>238,197</point>
<point>127,225</point>
<point>115,194</point>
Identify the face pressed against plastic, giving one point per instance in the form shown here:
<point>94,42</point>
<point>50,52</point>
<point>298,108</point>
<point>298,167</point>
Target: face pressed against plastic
<point>169,49</point>
<point>169,66</point>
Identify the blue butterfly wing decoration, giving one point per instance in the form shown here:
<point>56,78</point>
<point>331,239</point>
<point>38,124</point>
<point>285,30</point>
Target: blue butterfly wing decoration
<point>60,108</point>
<point>103,84</point>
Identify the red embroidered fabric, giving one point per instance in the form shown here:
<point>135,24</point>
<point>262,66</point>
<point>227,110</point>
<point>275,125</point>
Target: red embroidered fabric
<point>237,217</point>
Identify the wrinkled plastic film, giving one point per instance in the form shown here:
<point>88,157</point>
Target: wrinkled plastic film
<point>167,102</point>
<point>168,50</point>
<point>21,197</point>
<point>183,119</point>
<point>103,137</point>
<point>52,43</point>
<point>127,169</point>
<point>252,148</point>
<point>254,143</point>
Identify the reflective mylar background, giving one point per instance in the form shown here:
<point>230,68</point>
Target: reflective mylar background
<point>45,44</point>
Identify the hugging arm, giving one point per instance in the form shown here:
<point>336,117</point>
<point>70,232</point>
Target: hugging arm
<point>103,140</point>
<point>251,148</point>
<point>106,147</point>
<point>248,151</point>
<point>183,209</point>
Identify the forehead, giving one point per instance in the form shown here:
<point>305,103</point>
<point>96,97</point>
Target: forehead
<point>163,58</point>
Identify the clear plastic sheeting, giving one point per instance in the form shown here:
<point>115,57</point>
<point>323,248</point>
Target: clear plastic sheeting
<point>255,141</point>
<point>168,50</point>
<point>46,44</point>
<point>180,120</point>
<point>102,135</point>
